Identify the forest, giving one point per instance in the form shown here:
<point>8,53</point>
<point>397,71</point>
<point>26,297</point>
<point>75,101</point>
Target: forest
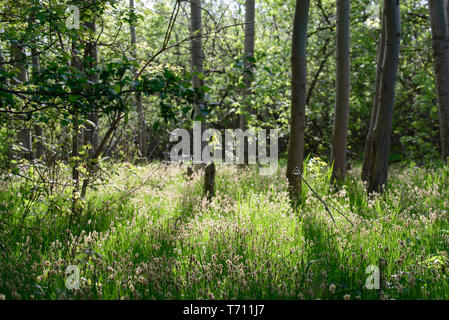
<point>222,150</point>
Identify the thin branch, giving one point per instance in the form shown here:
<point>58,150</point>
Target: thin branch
<point>298,173</point>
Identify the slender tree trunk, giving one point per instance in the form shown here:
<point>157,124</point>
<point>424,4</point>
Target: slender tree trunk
<point>37,128</point>
<point>342,90</point>
<point>381,144</point>
<point>379,71</point>
<point>446,2</point>
<point>440,43</point>
<point>141,127</point>
<point>75,63</point>
<point>299,92</point>
<point>2,60</point>
<point>91,54</point>
<point>197,62</point>
<point>198,82</point>
<point>197,51</point>
<point>20,63</point>
<point>248,60</point>
<point>3,83</point>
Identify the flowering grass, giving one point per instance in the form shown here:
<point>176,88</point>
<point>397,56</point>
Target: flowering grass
<point>150,234</point>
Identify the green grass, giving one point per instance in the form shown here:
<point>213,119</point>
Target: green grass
<point>164,240</point>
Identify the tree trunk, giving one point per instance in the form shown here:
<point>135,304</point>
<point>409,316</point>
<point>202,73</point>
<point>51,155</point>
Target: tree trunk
<point>75,63</point>
<point>141,127</point>
<point>343,83</point>
<point>379,71</point>
<point>198,82</point>
<point>440,42</point>
<point>37,128</point>
<point>2,60</point>
<point>298,104</point>
<point>197,51</point>
<point>91,131</point>
<point>20,64</point>
<point>381,144</point>
<point>447,14</point>
<point>248,60</point>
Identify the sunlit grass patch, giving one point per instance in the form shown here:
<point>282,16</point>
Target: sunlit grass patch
<point>150,234</point>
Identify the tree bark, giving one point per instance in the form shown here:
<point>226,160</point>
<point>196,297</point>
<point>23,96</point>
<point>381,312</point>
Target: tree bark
<point>2,60</point>
<point>342,90</point>
<point>446,2</point>
<point>91,53</point>
<point>20,64</point>
<point>75,63</point>
<point>198,83</point>
<point>381,144</point>
<point>298,103</point>
<point>440,43</point>
<point>248,60</point>
<point>141,126</point>
<point>379,71</point>
<point>37,128</point>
